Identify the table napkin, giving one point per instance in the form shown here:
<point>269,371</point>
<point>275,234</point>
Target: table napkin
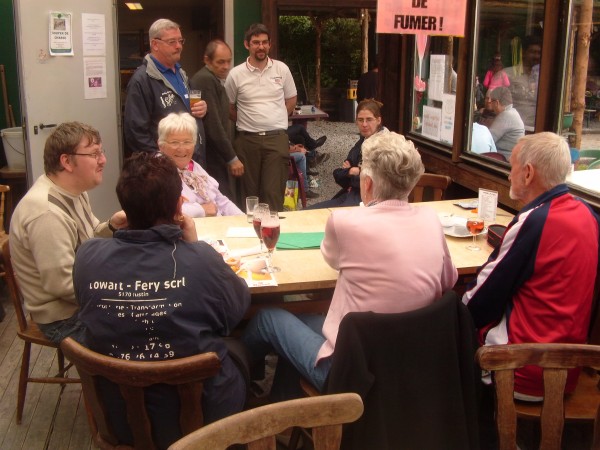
<point>297,241</point>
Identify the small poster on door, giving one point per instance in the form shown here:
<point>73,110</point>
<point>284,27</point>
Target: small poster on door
<point>432,122</point>
<point>94,77</point>
<point>61,35</point>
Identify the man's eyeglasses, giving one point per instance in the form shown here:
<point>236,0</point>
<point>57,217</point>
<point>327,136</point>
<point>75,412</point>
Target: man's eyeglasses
<point>177,144</point>
<point>98,155</point>
<point>172,42</point>
<point>259,43</point>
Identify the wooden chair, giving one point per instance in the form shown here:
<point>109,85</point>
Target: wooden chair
<point>555,359</point>
<point>31,334</point>
<point>3,235</point>
<point>258,427</point>
<point>188,374</point>
<point>436,183</point>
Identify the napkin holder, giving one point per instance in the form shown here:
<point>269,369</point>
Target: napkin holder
<point>495,234</point>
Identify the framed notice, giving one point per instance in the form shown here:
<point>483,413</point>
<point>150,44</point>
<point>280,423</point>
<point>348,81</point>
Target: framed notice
<point>432,122</point>
<point>61,34</point>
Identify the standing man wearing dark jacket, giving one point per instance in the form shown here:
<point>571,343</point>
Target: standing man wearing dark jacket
<point>159,87</point>
<point>221,160</point>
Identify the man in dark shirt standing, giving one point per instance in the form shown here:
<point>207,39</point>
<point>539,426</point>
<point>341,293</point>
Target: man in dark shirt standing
<point>368,84</point>
<point>221,160</point>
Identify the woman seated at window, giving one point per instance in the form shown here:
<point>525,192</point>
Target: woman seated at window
<point>177,134</point>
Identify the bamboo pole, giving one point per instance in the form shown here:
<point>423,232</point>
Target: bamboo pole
<point>5,95</point>
<point>581,68</point>
<point>319,27</point>
<point>364,15</point>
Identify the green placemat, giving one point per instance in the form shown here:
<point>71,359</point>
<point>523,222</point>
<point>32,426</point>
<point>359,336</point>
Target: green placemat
<point>297,241</point>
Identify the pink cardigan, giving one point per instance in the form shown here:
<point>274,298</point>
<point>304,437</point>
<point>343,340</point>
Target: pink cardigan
<point>392,258</point>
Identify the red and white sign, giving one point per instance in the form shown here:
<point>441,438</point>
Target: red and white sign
<point>422,17</point>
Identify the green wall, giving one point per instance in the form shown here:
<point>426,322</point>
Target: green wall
<point>245,13</point>
<point>8,57</point>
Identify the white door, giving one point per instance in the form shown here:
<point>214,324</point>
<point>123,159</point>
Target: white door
<point>53,87</point>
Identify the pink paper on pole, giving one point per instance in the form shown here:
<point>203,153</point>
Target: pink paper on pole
<point>422,17</point>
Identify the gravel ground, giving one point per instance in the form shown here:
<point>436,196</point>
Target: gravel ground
<point>341,136</point>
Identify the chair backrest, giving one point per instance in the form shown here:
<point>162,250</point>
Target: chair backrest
<point>494,155</point>
<point>394,362</point>
<point>13,287</point>
<point>595,165</point>
<point>555,359</point>
<point>436,183</point>
<point>257,427</point>
<point>187,374</point>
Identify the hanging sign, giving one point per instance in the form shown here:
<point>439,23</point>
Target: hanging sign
<point>422,17</point>
<point>61,35</point>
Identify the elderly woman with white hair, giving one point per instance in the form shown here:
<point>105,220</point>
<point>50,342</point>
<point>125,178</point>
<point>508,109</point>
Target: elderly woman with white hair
<point>392,257</point>
<point>177,135</point>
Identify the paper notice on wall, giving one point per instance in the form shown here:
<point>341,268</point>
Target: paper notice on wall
<point>448,106</point>
<point>432,122</point>
<point>437,71</point>
<point>94,77</point>
<point>93,34</point>
<point>61,34</point>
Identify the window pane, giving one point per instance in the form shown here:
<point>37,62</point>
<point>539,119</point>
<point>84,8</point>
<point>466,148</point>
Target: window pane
<point>507,66</point>
<point>581,102</point>
<point>434,89</point>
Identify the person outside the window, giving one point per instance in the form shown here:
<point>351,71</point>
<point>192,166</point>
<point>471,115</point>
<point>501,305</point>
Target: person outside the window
<point>159,87</point>
<point>524,78</point>
<point>507,126</point>
<point>262,95</point>
<point>496,76</point>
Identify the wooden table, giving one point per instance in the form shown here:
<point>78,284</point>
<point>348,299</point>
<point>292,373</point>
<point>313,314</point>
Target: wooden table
<point>307,113</point>
<point>306,271</point>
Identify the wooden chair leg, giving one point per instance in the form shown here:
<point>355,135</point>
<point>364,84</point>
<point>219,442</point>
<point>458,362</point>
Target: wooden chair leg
<point>23,376</point>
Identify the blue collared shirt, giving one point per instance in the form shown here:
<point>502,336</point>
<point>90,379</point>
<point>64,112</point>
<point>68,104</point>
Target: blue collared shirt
<point>174,78</point>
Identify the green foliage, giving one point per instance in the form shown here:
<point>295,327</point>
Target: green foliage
<point>340,51</point>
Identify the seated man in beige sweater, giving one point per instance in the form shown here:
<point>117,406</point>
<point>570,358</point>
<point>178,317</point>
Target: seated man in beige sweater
<point>51,222</point>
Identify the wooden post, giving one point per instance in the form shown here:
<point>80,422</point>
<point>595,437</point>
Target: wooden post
<point>364,17</point>
<point>319,28</point>
<point>584,29</point>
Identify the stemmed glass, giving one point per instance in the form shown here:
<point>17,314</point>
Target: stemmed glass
<point>258,213</point>
<point>270,230</point>
<point>475,227</point>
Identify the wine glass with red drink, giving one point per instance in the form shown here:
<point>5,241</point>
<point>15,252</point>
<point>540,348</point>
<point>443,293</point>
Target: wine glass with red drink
<point>260,210</point>
<point>270,230</point>
<point>475,227</point>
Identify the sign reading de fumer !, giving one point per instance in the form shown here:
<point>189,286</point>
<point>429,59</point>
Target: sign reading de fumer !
<point>422,17</point>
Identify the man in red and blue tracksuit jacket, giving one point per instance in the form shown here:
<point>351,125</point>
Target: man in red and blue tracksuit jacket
<point>537,286</point>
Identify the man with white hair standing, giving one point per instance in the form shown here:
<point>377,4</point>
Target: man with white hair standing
<point>159,87</point>
<point>537,286</point>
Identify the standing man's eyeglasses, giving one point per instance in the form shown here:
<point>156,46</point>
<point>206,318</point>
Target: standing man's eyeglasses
<point>172,42</point>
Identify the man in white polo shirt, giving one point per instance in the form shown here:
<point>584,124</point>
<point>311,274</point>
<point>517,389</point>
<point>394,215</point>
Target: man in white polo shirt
<point>262,94</point>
